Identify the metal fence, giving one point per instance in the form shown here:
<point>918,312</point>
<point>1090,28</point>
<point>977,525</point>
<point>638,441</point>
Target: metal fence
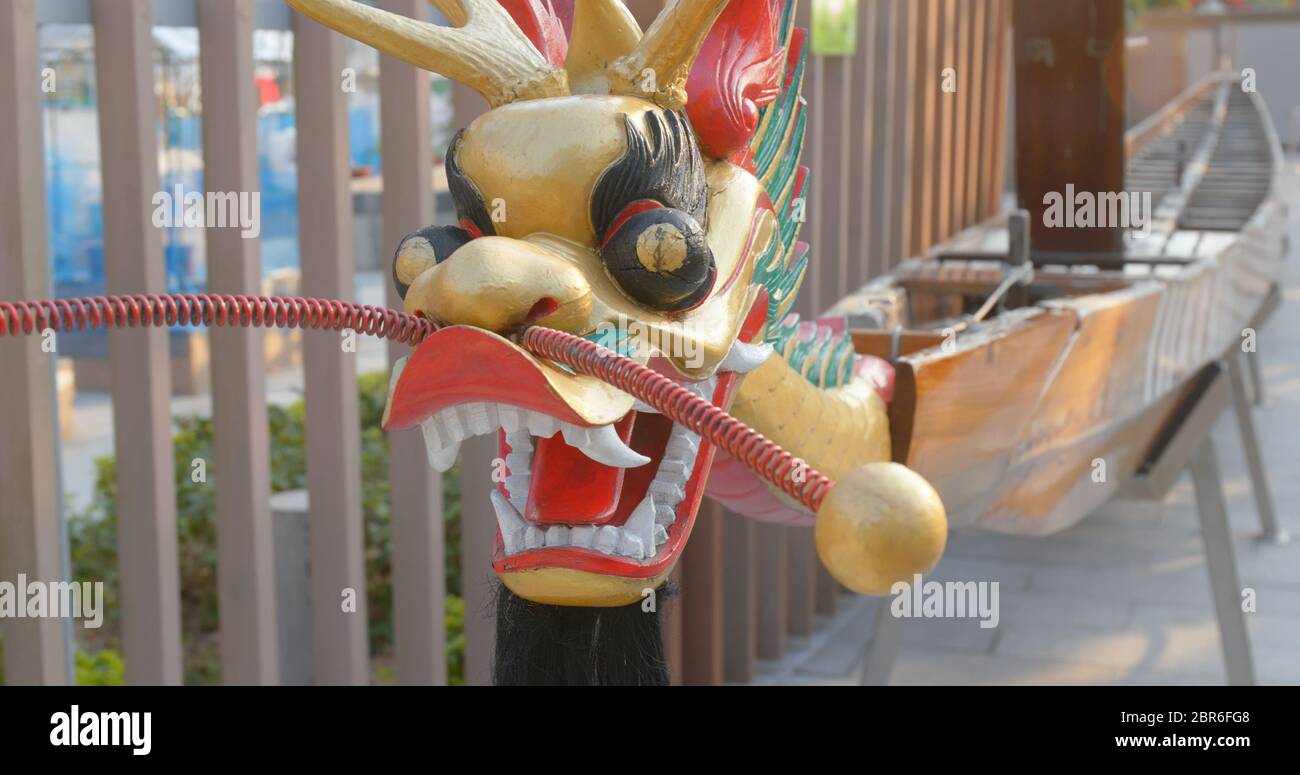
<point>907,142</point>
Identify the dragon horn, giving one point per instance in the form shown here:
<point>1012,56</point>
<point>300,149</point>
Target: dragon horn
<point>485,51</point>
<point>603,31</point>
<point>658,67</point>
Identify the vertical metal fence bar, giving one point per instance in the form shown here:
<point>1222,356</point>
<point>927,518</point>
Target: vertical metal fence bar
<point>340,648</point>
<point>241,445</point>
<point>35,651</point>
<point>419,570</point>
<point>139,359</point>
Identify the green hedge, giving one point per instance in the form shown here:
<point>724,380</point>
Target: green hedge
<point>93,540</point>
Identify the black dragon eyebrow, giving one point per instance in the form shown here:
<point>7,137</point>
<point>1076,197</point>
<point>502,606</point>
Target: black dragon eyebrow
<point>663,164</point>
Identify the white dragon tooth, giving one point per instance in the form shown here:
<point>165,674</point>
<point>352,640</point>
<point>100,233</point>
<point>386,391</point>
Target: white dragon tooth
<point>604,446</point>
<point>517,485</point>
<point>671,492</point>
<point>607,539</point>
<point>479,417</point>
<point>676,469</point>
<point>642,406</point>
<point>665,514</point>
<point>511,419</point>
<point>574,436</point>
<point>508,519</point>
<point>557,535</point>
<point>433,433</point>
<point>583,536</point>
<point>521,443</point>
<point>661,535</point>
<point>642,522</point>
<point>443,459</point>
<point>541,425</point>
<point>453,430</point>
<point>534,538</point>
<point>744,357</point>
<point>630,545</point>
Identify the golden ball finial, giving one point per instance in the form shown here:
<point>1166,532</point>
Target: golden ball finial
<point>879,525</point>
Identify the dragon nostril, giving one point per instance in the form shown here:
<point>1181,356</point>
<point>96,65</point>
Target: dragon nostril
<point>544,306</point>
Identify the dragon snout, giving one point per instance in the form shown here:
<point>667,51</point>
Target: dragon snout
<point>494,283</point>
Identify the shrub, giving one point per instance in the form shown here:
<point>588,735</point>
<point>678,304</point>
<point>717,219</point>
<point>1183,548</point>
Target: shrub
<point>93,539</point>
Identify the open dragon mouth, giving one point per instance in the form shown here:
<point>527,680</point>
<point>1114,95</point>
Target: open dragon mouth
<point>593,481</point>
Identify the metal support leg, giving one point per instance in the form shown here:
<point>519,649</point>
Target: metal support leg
<point>1222,566</point>
<point>1256,379</point>
<point>1254,460</point>
<point>882,649</point>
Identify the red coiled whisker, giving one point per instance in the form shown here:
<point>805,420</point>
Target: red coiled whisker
<point>210,309</point>
<point>762,455</point>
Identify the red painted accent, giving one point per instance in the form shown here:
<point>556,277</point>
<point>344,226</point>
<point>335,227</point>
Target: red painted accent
<point>879,372</point>
<point>474,231</point>
<point>459,364</point>
<point>632,208</point>
<point>542,25</point>
<point>736,73</point>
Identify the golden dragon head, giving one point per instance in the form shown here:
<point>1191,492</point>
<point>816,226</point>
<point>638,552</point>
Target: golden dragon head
<point>594,199</point>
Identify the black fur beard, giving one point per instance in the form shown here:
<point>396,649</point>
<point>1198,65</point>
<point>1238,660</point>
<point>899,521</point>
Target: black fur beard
<point>551,645</point>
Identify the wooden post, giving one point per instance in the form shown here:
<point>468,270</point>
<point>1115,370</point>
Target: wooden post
<point>419,572</point>
<point>772,557</point>
<point>801,597</point>
<point>703,588</point>
<point>741,606</point>
<point>477,519</point>
<point>339,636</point>
<point>859,157</point>
<point>1069,60</point>
<point>947,141</point>
<point>961,102</point>
<point>926,69</point>
<point>35,651</point>
<point>242,446</point>
<point>139,363</point>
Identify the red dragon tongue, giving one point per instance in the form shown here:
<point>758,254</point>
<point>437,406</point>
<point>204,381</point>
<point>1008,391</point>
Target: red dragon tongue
<point>570,488</point>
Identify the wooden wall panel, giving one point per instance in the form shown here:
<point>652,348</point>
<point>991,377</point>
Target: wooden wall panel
<point>740,632</point>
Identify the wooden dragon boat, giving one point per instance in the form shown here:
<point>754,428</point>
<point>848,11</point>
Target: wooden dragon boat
<point>1029,398</point>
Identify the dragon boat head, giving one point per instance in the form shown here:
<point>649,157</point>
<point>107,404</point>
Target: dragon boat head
<point>593,199</point>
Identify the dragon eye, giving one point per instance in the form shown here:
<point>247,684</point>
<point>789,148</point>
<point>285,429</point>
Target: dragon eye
<point>660,258</point>
<point>421,250</point>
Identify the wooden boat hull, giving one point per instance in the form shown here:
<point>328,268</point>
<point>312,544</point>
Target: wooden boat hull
<point>1031,420</point>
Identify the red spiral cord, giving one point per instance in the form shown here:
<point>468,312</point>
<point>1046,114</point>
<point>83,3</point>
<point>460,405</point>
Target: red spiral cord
<point>763,456</point>
<point>210,309</point>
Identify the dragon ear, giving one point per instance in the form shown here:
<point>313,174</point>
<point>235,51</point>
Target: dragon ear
<point>603,31</point>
